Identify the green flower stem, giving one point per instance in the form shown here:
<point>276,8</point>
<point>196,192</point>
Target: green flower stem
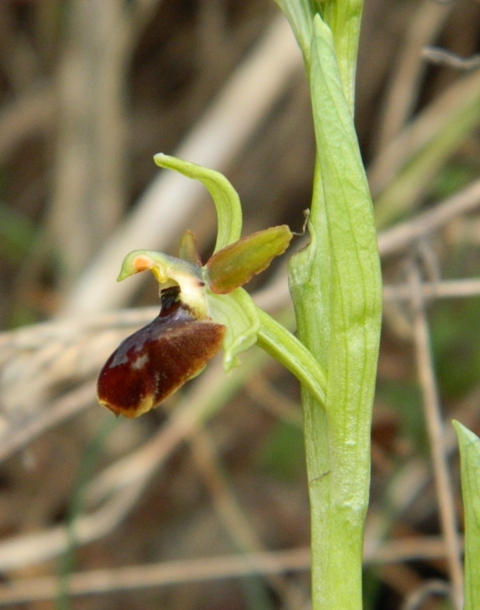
<point>336,288</point>
<point>277,341</point>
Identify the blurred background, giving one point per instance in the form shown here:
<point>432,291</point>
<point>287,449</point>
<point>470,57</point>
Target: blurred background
<point>202,504</point>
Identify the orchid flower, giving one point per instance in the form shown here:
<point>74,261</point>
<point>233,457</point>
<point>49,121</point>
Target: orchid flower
<point>202,309</point>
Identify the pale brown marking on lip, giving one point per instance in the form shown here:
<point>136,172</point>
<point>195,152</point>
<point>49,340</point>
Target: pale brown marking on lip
<point>142,263</point>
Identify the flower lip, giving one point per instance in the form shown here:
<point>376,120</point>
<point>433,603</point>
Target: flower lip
<point>155,361</point>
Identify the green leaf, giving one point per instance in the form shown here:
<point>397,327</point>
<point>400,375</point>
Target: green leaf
<point>236,264</point>
<point>343,17</point>
<point>239,314</point>
<point>225,197</point>
<point>470,468</point>
<point>336,280</point>
<point>300,15</point>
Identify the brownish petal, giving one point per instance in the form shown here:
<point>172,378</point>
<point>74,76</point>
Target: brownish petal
<point>155,361</point>
<point>188,249</point>
<point>236,264</point>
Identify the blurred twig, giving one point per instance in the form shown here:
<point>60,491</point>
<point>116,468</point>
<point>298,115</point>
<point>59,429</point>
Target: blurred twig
<point>404,88</point>
<point>69,404</point>
<point>415,600</point>
<point>436,435</point>
<point>88,190</point>
<point>443,57</point>
<point>434,290</point>
<point>402,234</point>
<point>402,171</point>
<point>230,512</point>
<point>166,573</point>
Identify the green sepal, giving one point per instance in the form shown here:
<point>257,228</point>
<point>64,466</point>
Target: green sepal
<point>169,271</point>
<point>469,445</point>
<point>163,266</point>
<point>238,313</point>
<point>236,264</point>
<point>225,197</point>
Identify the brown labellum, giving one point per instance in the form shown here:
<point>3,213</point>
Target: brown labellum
<point>155,361</point>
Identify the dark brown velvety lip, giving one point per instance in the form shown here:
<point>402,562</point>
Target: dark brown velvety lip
<point>156,360</point>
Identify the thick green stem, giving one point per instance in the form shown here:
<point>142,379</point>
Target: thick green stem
<point>336,289</point>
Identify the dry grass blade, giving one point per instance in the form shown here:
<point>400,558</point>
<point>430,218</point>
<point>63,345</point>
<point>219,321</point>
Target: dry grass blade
<point>396,154</point>
<point>399,237</point>
<point>156,575</point>
<point>404,89</point>
<point>211,568</point>
<point>436,435</point>
<point>447,58</point>
<point>434,290</point>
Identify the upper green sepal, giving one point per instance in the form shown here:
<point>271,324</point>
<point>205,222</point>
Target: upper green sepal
<point>225,197</point>
<point>236,264</point>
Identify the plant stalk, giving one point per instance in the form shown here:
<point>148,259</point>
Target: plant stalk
<point>336,288</point>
